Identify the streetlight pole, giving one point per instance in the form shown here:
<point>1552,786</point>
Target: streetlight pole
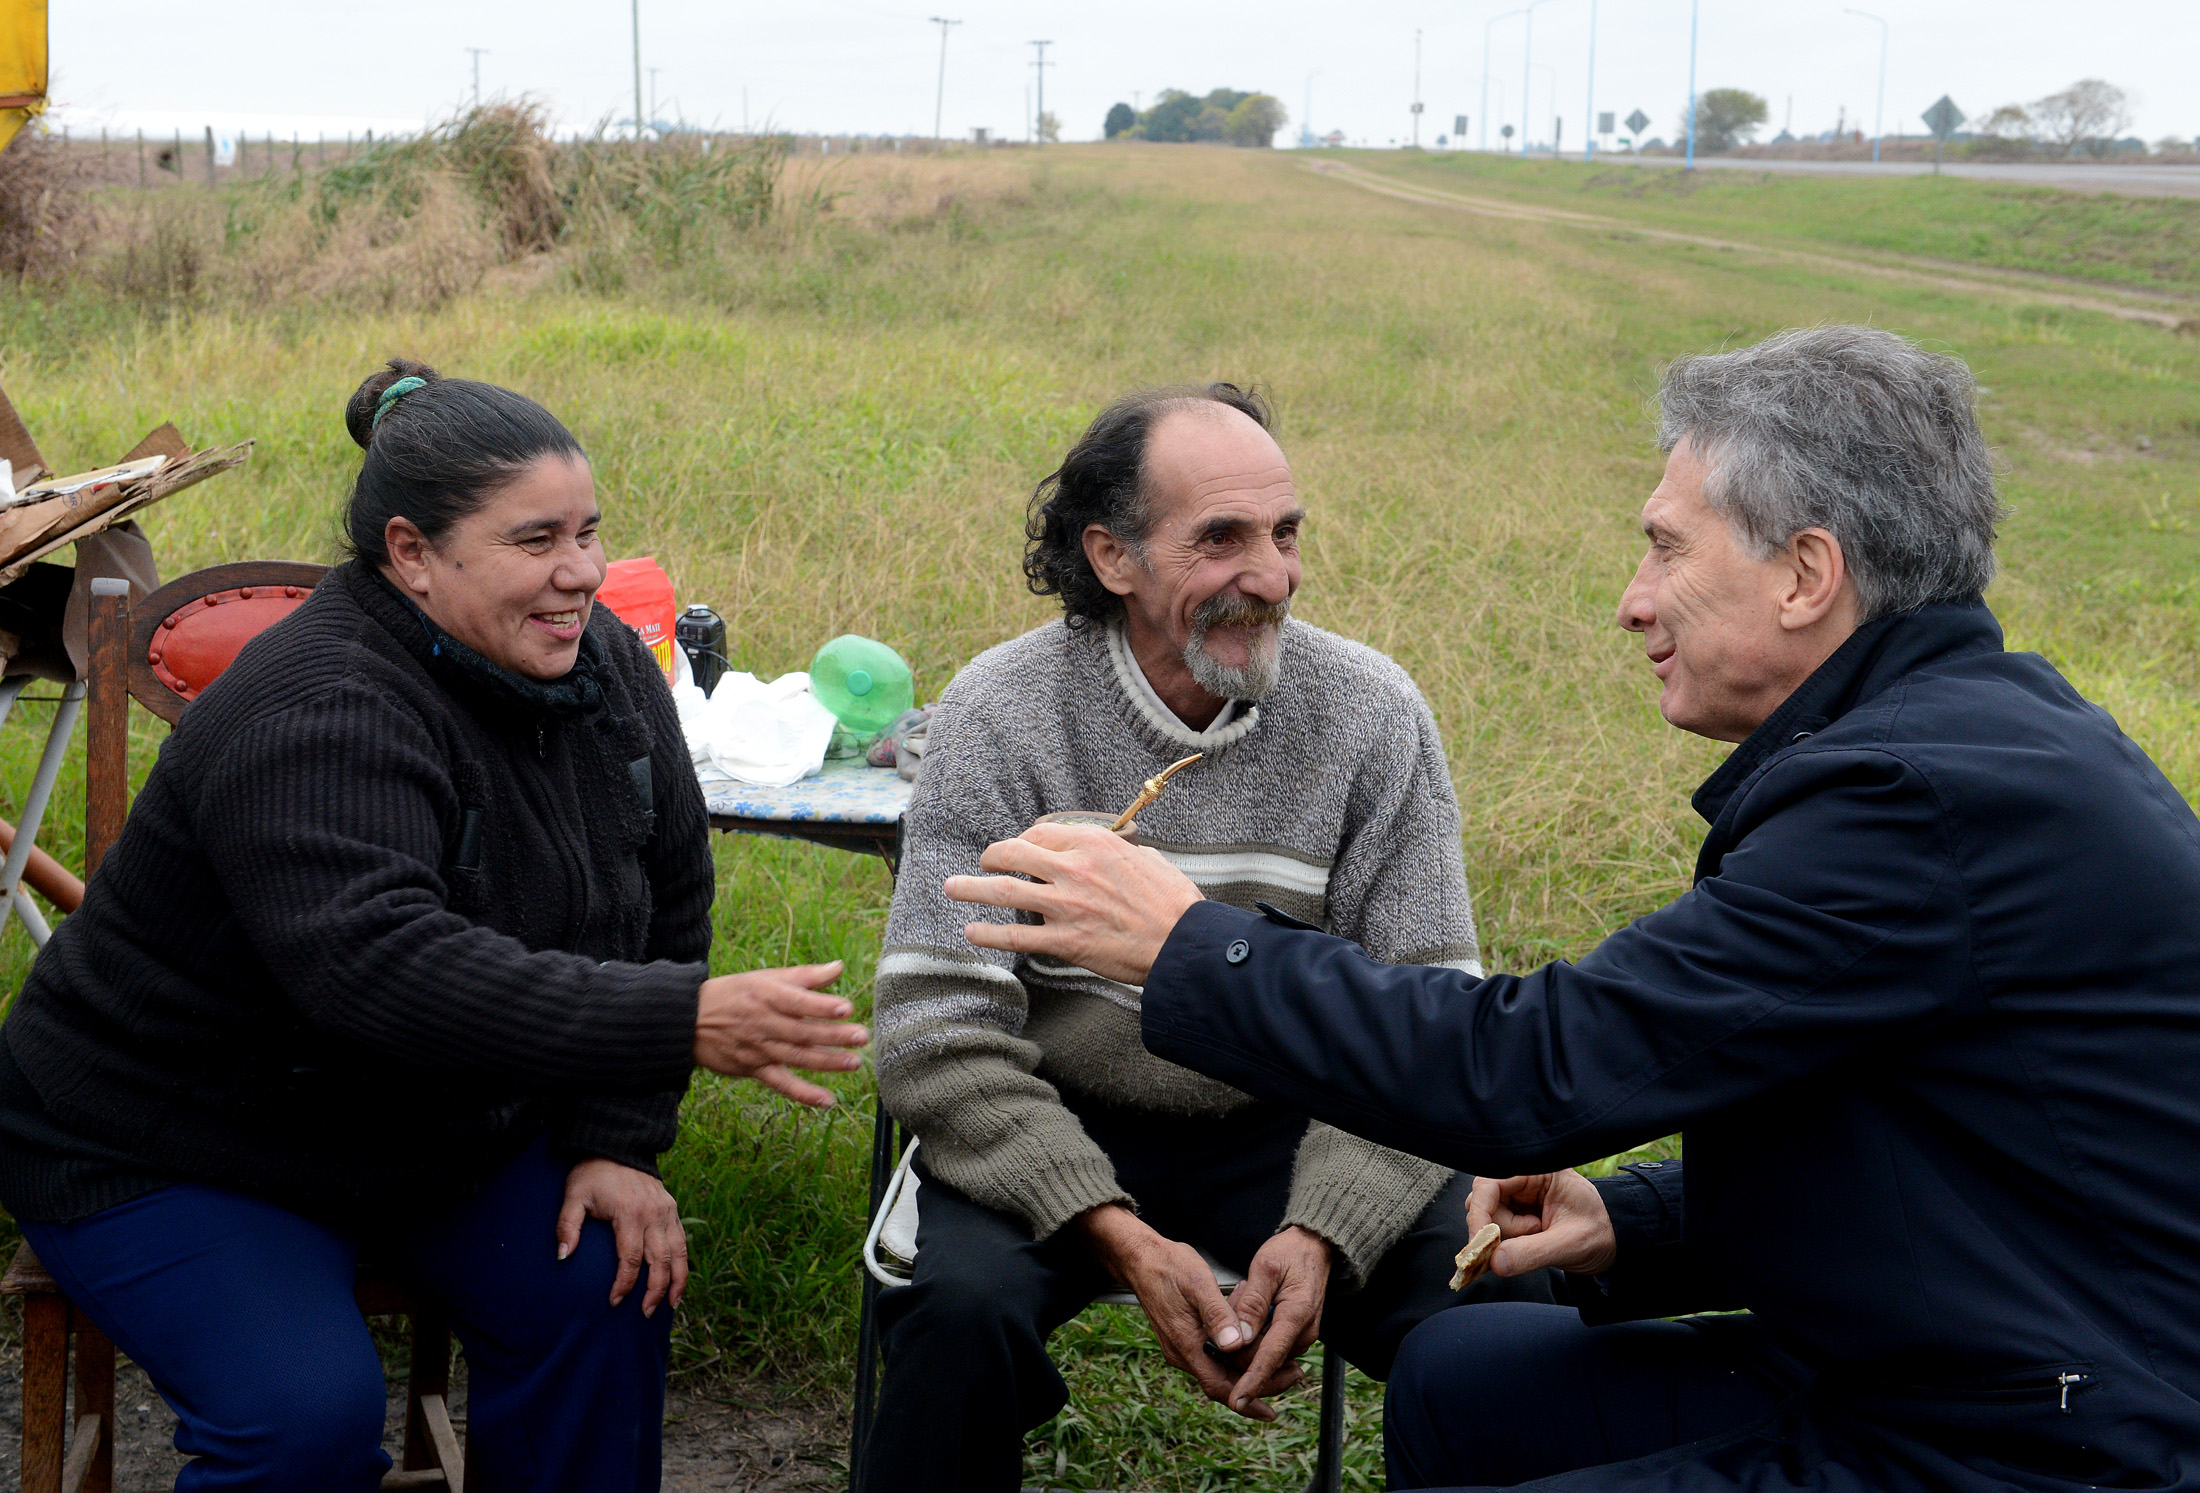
<point>939,101</point>
<point>1879,109</point>
<point>1527,53</point>
<point>1416,88</point>
<point>1693,6</point>
<point>1589,113</point>
<point>1492,22</point>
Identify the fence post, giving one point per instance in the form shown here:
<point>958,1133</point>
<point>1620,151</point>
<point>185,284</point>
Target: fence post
<point>209,157</point>
<point>141,160</point>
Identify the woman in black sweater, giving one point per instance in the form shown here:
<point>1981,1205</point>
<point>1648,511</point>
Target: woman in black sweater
<point>402,950</point>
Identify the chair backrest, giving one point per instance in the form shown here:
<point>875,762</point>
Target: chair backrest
<point>187,632</point>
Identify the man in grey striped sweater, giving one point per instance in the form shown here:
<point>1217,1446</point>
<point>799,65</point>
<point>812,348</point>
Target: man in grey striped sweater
<point>1056,1156</point>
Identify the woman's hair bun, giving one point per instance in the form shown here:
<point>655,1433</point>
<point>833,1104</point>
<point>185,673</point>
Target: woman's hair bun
<point>359,410</point>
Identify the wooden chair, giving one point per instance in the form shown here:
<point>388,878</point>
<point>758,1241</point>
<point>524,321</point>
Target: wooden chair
<point>185,634</point>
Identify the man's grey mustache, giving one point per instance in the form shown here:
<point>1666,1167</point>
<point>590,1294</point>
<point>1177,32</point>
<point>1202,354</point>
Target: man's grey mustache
<point>1239,611</point>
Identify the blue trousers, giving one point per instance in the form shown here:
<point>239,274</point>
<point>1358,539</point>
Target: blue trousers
<point>242,1314</point>
<point>1507,1392</point>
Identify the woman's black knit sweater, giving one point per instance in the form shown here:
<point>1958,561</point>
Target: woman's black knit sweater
<point>377,919</point>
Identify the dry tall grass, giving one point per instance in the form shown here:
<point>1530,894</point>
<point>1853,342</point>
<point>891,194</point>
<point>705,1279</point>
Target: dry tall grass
<point>46,221</point>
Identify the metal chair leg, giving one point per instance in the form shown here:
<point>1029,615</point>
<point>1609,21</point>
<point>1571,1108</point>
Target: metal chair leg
<point>34,804</point>
<point>884,1153</point>
<point>1329,1449</point>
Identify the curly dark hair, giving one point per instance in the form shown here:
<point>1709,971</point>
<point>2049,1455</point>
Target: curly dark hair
<point>1103,481</point>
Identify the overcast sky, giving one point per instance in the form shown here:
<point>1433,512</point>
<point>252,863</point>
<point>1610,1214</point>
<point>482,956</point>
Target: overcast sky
<point>852,66</point>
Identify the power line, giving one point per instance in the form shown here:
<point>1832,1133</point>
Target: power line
<point>939,102</point>
<point>1038,126</point>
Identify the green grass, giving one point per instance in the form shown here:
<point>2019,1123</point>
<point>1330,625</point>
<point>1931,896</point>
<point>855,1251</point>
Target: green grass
<point>2150,243</point>
<point>832,428</point>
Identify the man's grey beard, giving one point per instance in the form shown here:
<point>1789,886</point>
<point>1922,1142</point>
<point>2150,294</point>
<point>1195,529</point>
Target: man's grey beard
<point>1264,659</point>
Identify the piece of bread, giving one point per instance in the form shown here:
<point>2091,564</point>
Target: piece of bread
<point>1475,1258</point>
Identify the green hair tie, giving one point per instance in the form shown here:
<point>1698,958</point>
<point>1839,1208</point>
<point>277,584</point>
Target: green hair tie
<point>392,394</point>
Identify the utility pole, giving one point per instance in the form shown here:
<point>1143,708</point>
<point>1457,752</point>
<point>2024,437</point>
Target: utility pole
<point>939,102</point>
<point>1493,20</point>
<point>1589,110</point>
<point>1416,88</point>
<point>1306,120</point>
<point>1527,55</point>
<point>1693,7</point>
<point>1038,126</point>
<point>653,72</point>
<point>637,69</point>
<point>477,52</point>
<point>1879,109</point>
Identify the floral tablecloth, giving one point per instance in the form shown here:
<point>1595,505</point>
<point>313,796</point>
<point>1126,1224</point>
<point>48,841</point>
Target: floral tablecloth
<point>838,793</point>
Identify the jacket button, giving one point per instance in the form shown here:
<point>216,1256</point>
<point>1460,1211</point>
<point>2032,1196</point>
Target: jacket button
<point>1238,952</point>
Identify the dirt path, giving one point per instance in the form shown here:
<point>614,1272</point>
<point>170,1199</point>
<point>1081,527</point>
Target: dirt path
<point>2170,313</point>
<point>717,1440</point>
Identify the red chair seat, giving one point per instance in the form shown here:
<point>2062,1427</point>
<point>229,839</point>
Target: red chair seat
<point>194,644</point>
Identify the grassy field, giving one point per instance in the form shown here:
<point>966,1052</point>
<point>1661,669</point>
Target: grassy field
<point>2144,243</point>
<point>831,426</point>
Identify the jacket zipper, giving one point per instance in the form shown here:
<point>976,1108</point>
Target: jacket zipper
<point>2066,1381</point>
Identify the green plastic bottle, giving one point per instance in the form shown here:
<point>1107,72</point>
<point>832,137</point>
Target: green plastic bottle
<point>863,683</point>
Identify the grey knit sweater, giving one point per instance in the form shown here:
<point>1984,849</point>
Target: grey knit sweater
<point>1330,800</point>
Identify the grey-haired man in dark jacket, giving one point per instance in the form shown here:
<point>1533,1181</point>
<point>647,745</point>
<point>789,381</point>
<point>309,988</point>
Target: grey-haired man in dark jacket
<point>1929,1018</point>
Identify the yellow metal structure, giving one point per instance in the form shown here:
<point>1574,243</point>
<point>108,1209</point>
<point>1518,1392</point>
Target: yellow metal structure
<point>22,64</point>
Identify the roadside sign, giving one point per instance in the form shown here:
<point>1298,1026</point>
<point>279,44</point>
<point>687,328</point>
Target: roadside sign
<point>1943,117</point>
<point>1604,123</point>
<point>1417,108</point>
<point>1636,121</point>
<point>1459,124</point>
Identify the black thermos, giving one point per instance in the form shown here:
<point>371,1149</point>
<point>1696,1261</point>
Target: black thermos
<point>702,637</point>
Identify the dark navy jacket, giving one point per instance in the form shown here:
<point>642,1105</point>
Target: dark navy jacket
<point>1930,1020</point>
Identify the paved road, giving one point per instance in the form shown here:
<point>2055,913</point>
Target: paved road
<point>2132,181</point>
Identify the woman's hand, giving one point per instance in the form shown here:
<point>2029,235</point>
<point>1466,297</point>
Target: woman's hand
<point>763,1023</point>
<point>645,1227</point>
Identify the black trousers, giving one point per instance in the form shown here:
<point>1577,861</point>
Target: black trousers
<point>965,1341</point>
<point>1512,1392</point>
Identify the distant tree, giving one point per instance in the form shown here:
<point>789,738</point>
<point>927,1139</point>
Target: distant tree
<point>1122,119</point>
<point>2009,122</point>
<point>1725,118</point>
<point>1254,120</point>
<point>1225,114</point>
<point>1172,117</point>
<point>2088,115</point>
<point>1050,128</point>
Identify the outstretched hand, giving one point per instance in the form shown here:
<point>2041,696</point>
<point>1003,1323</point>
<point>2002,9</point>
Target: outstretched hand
<point>765,1023</point>
<point>1108,905</point>
<point>1557,1218</point>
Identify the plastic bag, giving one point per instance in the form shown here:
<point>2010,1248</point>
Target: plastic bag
<point>769,735</point>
